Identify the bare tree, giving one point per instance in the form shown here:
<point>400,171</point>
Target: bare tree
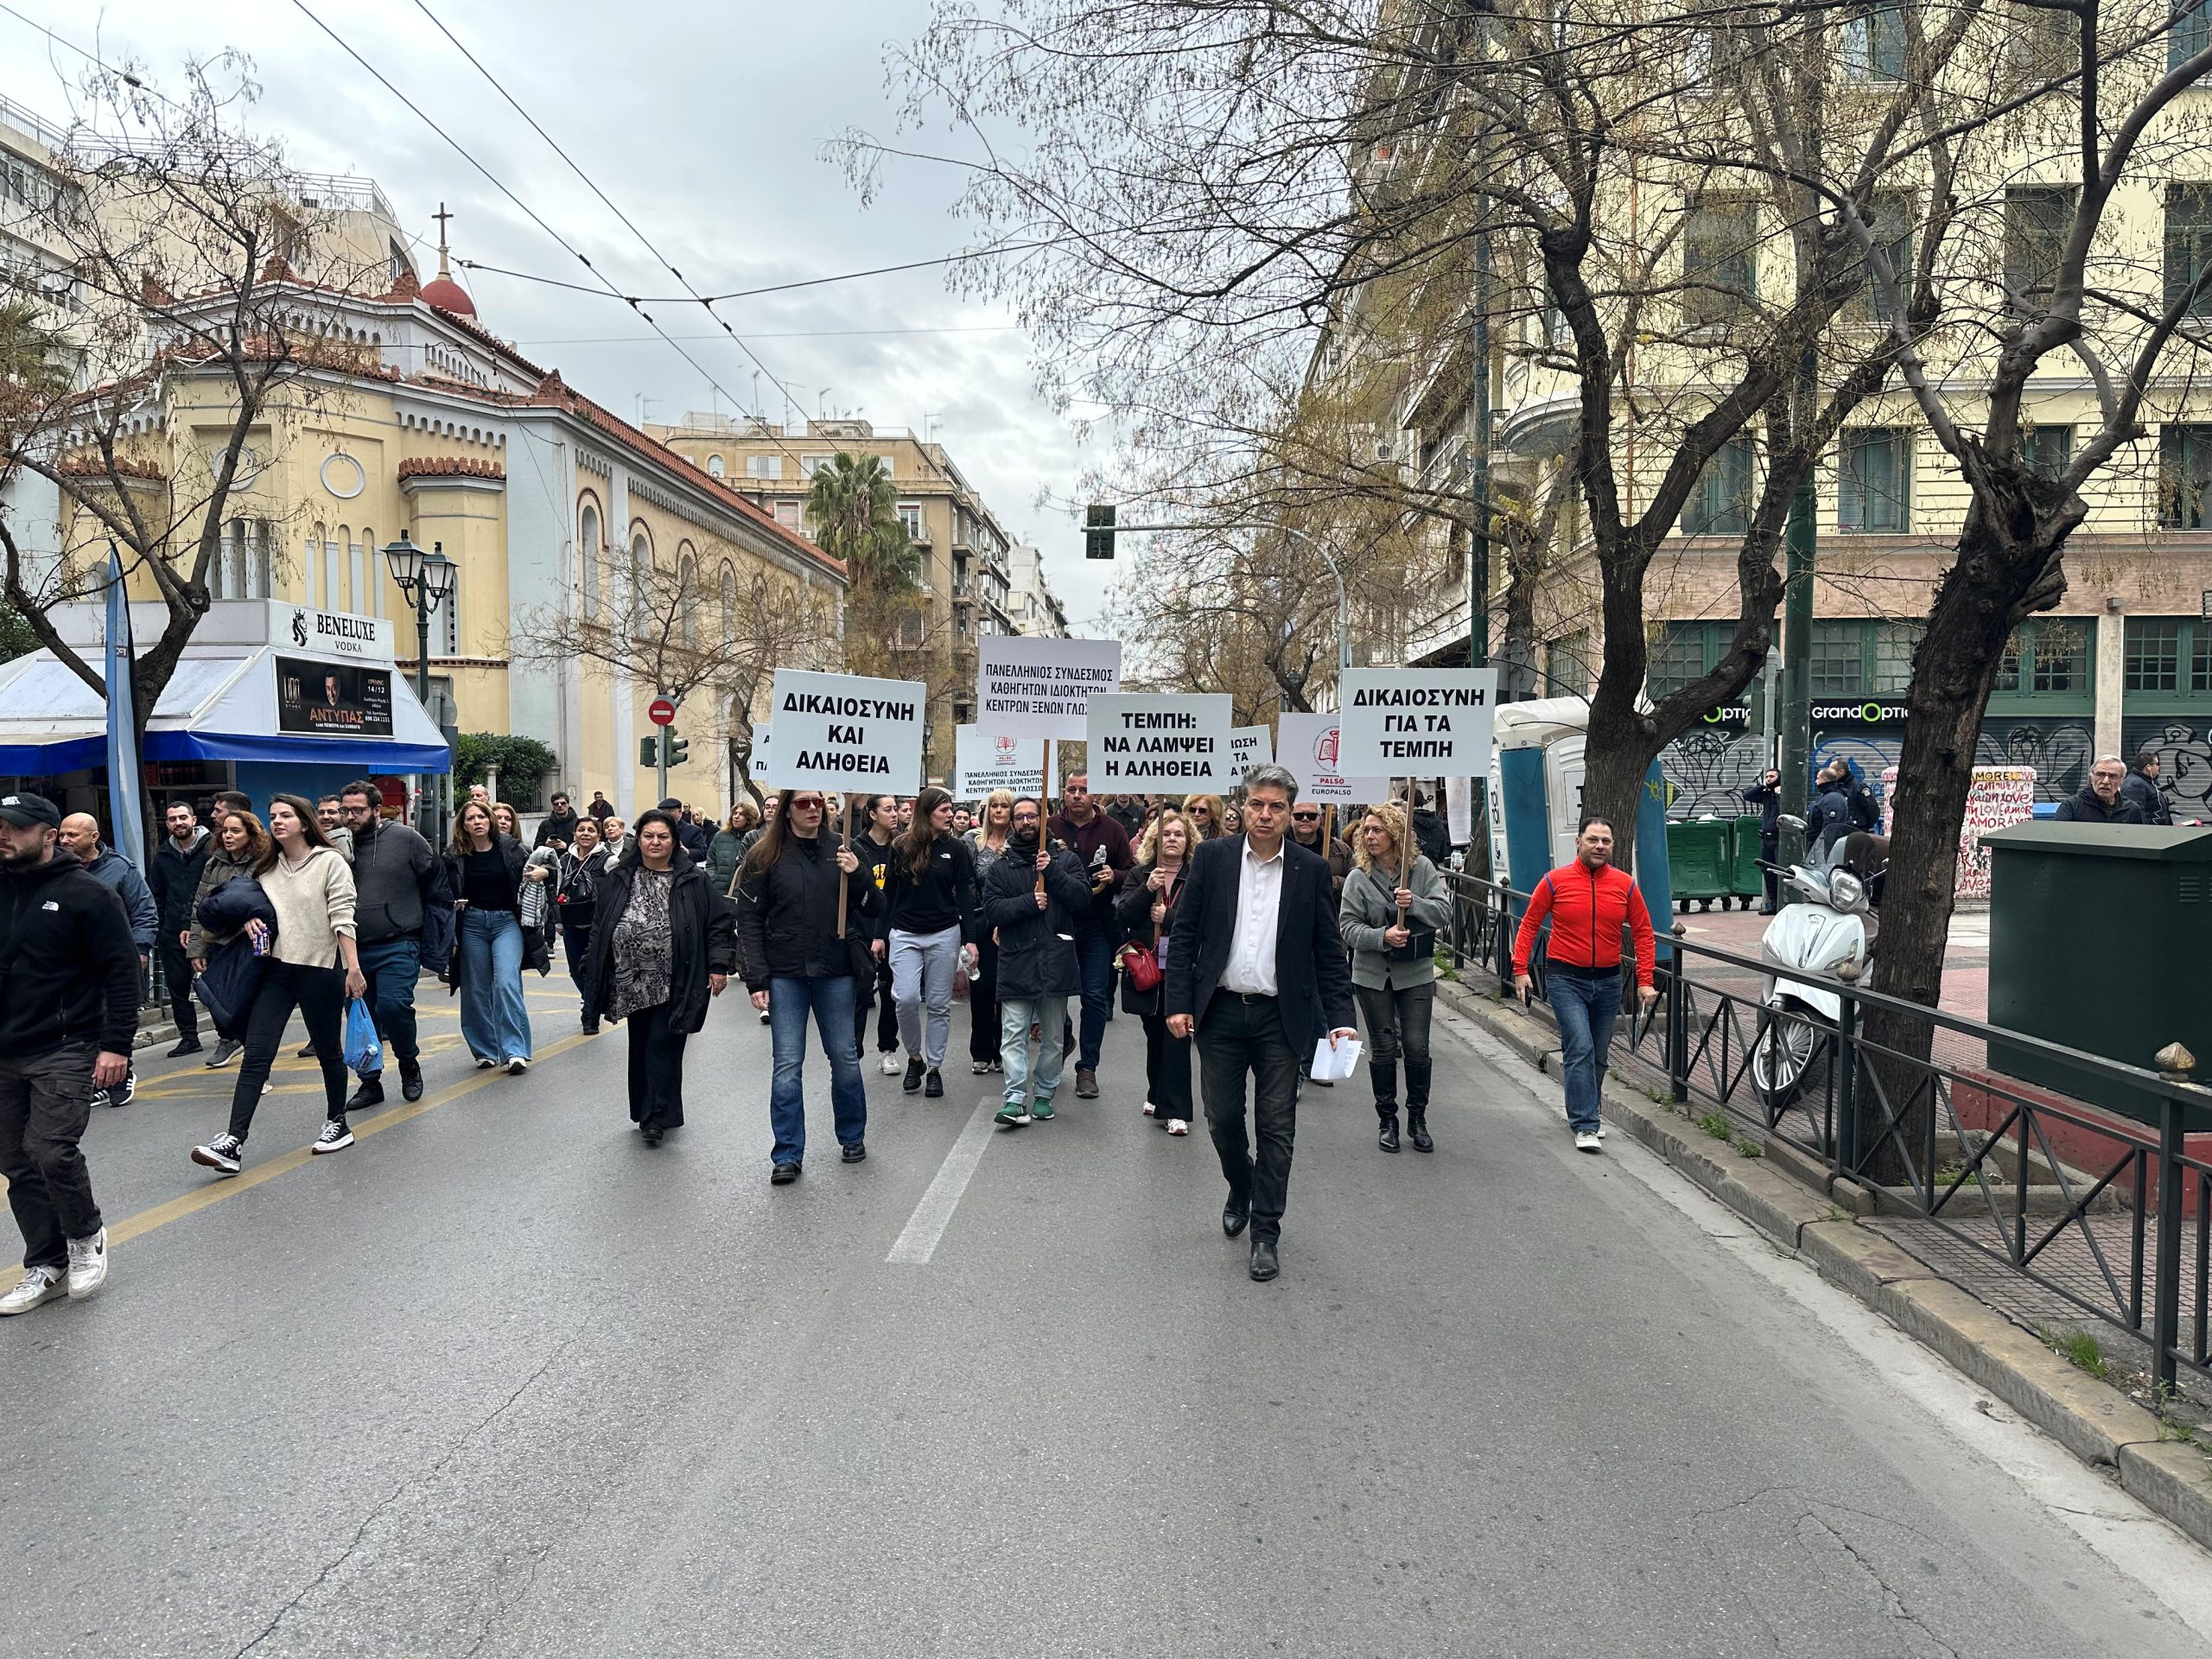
<point>186,315</point>
<point>2038,282</point>
<point>715,628</point>
<point>1224,192</point>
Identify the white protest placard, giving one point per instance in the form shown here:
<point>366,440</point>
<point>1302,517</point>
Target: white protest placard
<point>1170,744</point>
<point>757,766</point>
<point>982,764</point>
<point>845,732</point>
<point>1418,723</point>
<point>1308,753</point>
<point>1249,747</point>
<point>1039,688</point>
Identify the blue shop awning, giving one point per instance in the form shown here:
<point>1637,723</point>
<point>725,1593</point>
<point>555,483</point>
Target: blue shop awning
<point>221,704</point>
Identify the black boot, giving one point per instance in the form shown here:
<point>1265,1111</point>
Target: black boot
<point>1383,1076</point>
<point>1417,1072</point>
<point>1388,1140</point>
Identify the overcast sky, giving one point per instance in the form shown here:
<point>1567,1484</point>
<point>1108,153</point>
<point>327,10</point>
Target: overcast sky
<point>705,124</point>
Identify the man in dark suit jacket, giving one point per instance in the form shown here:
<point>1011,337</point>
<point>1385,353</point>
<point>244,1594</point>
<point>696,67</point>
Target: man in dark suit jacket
<point>1258,970</point>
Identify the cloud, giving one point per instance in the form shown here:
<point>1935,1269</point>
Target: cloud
<point>716,154</point>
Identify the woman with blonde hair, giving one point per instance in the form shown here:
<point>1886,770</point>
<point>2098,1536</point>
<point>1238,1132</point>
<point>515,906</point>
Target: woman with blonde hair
<point>504,821</point>
<point>1206,815</point>
<point>1147,912</point>
<point>1394,904</point>
<point>987,844</point>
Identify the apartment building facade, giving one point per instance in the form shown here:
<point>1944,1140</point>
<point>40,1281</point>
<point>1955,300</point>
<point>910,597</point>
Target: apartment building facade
<point>964,555</point>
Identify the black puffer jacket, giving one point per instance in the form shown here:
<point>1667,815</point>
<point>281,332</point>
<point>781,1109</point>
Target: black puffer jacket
<point>704,941</point>
<point>2085,808</point>
<point>787,915</point>
<point>1036,947</point>
<point>234,970</point>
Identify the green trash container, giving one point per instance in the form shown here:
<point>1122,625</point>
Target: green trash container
<point>1697,858</point>
<point>2097,940</point>
<point>1746,880</point>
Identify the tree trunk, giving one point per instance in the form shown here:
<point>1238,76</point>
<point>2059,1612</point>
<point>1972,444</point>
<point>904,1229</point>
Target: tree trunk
<point>1995,581</point>
<point>1616,754</point>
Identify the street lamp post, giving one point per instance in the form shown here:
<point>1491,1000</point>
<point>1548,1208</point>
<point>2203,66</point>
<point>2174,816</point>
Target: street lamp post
<point>426,580</point>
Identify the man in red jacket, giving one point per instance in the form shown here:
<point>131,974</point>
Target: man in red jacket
<point>1588,902</point>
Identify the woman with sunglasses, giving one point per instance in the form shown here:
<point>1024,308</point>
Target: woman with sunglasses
<point>933,908</point>
<point>1147,909</point>
<point>662,946</point>
<point>796,960</point>
<point>1206,815</point>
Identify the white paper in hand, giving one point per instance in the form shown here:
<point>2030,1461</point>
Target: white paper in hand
<point>1335,1065</point>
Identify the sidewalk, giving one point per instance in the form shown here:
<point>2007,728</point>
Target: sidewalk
<point>1990,1322</point>
<point>1966,957</point>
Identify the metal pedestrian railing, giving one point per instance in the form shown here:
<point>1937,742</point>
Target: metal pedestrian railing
<point>1973,1169</point>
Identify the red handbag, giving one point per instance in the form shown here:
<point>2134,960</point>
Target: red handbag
<point>1141,966</point>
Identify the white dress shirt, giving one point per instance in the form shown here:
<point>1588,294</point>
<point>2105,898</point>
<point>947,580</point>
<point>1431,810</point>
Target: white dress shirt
<point>1251,966</point>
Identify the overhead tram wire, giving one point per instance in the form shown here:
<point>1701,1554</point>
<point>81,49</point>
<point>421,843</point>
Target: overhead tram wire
<point>705,301</point>
<point>531,214</point>
<point>711,300</point>
<point>630,223</point>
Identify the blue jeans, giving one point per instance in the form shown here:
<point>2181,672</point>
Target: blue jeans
<point>1016,1015</point>
<point>494,1022</point>
<point>1094,959</point>
<point>391,969</point>
<point>1585,1003</point>
<point>831,1003</point>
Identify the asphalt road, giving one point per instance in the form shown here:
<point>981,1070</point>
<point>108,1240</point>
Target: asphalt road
<point>501,1380</point>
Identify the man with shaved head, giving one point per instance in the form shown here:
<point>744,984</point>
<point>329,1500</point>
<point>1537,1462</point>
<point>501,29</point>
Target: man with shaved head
<point>81,839</point>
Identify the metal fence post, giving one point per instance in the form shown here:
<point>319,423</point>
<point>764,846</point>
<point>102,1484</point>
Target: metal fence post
<point>1844,1095</point>
<point>1678,1035</point>
<point>2166,1296</point>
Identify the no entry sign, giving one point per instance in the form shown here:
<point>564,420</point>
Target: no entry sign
<point>661,712</point>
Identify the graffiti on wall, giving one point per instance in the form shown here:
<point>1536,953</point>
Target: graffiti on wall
<point>1711,767</point>
<point>2184,753</point>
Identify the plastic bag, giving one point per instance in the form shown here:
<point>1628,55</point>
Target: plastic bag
<point>364,1053</point>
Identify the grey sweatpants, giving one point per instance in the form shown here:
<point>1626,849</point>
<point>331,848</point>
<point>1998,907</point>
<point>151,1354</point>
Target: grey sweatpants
<point>921,980</point>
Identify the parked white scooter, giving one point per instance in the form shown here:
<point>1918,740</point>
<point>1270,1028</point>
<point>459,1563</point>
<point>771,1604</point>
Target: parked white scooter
<point>1826,926</point>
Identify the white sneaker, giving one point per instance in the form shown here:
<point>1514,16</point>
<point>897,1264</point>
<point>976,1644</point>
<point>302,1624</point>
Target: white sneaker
<point>1176,1126</point>
<point>87,1265</point>
<point>336,1136</point>
<point>891,1067</point>
<point>1601,1131</point>
<point>1151,1109</point>
<point>517,1065</point>
<point>1585,1141</point>
<point>484,1065</point>
<point>38,1287</point>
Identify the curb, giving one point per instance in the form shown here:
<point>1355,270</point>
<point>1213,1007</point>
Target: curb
<point>2096,1423</point>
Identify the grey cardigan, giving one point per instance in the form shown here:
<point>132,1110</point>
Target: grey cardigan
<point>1369,910</point>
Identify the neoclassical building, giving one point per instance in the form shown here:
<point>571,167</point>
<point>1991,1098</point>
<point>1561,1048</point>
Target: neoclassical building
<point>415,416</point>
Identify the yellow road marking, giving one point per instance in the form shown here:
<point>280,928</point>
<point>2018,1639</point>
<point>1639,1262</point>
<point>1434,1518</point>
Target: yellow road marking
<point>191,1204</point>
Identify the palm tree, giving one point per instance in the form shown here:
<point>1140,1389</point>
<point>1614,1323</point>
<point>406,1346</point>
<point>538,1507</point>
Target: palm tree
<point>853,513</point>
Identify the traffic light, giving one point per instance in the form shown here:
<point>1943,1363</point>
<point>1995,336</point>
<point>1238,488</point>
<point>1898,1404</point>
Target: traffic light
<point>649,750</point>
<point>1098,532</point>
<point>678,748</point>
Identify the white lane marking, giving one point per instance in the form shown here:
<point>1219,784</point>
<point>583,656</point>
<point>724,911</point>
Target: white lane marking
<point>918,1243</point>
<point>2126,1535</point>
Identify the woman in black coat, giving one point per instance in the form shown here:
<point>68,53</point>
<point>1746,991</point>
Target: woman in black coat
<point>1147,912</point>
<point>1033,896</point>
<point>484,868</point>
<point>662,943</point>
